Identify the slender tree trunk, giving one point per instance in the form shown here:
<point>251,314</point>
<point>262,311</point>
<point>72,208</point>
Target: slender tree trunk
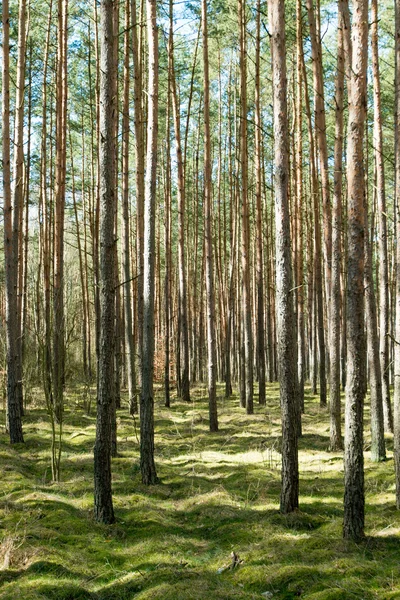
<point>353,526</point>
<point>167,250</point>
<point>126,258</point>
<point>375,376</point>
<point>147,465</point>
<point>396,409</point>
<point>258,174</point>
<point>336,442</point>
<point>61,149</point>
<point>139,172</point>
<point>245,248</point>
<point>382,226</point>
<point>103,506</point>
<point>183,304</point>
<point>18,190</point>
<point>211,341</point>
<point>13,401</point>
<point>299,199</point>
<point>284,293</point>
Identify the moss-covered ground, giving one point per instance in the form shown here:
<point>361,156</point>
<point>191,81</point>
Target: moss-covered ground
<point>218,494</point>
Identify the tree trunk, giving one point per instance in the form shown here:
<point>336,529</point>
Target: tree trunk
<point>336,442</point>
<point>353,526</point>
<point>211,342</point>
<point>259,266</point>
<point>13,400</point>
<point>382,226</point>
<point>245,294</point>
<point>289,500</point>
<point>147,465</point>
<point>103,506</point>
<point>126,258</point>
<point>396,408</point>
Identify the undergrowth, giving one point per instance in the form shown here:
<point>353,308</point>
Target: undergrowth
<point>218,495</point>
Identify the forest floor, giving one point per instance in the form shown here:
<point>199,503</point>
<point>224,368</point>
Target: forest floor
<point>218,494</point>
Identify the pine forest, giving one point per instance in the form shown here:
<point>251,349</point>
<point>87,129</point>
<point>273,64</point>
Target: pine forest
<point>200,300</point>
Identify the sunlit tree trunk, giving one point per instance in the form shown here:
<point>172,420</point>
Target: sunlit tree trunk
<point>18,190</point>
<point>13,399</point>
<point>59,214</point>
<point>353,526</point>
<point>336,442</point>
<point>103,506</point>
<point>126,258</point>
<point>211,341</point>
<point>289,500</point>
<point>382,226</point>
<point>258,174</point>
<point>147,465</point>
<point>183,304</point>
<point>396,408</point>
<point>245,247</point>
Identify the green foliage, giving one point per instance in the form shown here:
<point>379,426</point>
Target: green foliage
<point>219,493</point>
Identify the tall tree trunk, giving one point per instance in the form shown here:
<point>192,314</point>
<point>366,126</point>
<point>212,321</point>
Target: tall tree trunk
<point>18,189</point>
<point>126,258</point>
<point>183,304</point>
<point>289,500</point>
<point>211,341</point>
<point>353,526</point>
<point>375,376</point>
<point>13,401</point>
<point>299,200</point>
<point>245,296</point>
<point>382,226</point>
<point>396,408</point>
<point>139,171</point>
<point>336,442</point>
<point>103,506</point>
<point>147,465</point>
<point>61,150</point>
<point>259,267</point>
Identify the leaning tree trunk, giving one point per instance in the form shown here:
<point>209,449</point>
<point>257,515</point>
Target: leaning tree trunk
<point>289,500</point>
<point>353,526</point>
<point>103,506</point>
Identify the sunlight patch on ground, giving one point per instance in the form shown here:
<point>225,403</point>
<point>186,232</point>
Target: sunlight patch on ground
<point>212,457</point>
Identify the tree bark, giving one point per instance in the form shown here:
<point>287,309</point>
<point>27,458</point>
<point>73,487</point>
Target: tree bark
<point>353,526</point>
<point>147,465</point>
<point>382,226</point>
<point>103,506</point>
<point>211,341</point>
<point>13,401</point>
<point>289,500</point>
<point>336,442</point>
<point>245,247</point>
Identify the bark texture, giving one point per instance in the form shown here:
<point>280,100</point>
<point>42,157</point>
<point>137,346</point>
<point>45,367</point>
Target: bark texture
<point>147,465</point>
<point>284,287</point>
<point>103,506</point>
<point>353,526</point>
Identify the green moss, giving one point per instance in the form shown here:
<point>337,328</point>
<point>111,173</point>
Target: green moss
<point>219,493</point>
